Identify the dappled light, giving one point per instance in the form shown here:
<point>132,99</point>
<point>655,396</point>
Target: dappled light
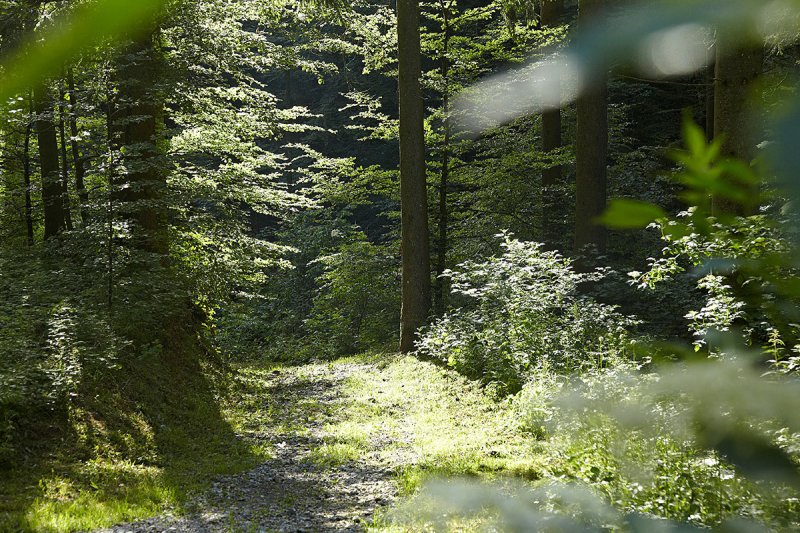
<point>399,267</point>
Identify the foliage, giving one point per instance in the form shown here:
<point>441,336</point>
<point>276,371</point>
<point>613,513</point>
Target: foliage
<point>78,29</point>
<point>524,313</point>
<point>275,135</point>
<point>357,306</point>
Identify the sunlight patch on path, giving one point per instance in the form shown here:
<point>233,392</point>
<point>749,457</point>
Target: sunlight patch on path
<point>347,438</point>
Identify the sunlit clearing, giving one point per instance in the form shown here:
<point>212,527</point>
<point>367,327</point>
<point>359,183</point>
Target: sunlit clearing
<point>680,50</point>
<point>532,89</point>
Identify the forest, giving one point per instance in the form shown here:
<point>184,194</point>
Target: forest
<point>399,265</point>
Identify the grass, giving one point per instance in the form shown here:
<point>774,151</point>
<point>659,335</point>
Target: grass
<point>428,423</point>
<point>133,445</point>
<point>445,424</point>
<point>149,444</point>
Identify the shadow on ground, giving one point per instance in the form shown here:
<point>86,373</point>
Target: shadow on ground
<point>291,491</point>
<point>135,442</point>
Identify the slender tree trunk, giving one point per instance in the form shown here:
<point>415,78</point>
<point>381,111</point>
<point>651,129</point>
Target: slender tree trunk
<point>64,164</point>
<point>77,160</point>
<point>735,72</point>
<point>440,287</point>
<point>52,192</point>
<point>415,246</point>
<point>110,171</point>
<point>26,173</point>
<point>591,154</point>
<point>709,101</point>
<point>551,140</point>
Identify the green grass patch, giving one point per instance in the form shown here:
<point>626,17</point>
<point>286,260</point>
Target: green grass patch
<point>336,454</point>
<point>133,444</point>
<point>430,421</point>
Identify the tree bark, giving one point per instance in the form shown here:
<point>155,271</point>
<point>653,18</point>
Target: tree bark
<point>551,140</point>
<point>112,146</point>
<point>735,71</point>
<point>77,160</point>
<point>415,246</point>
<point>709,102</point>
<point>52,192</point>
<point>64,163</point>
<point>440,287</point>
<point>591,154</point>
<point>138,122</point>
<point>26,172</point>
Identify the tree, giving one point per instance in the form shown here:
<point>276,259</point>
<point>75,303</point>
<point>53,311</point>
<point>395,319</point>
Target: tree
<point>52,189</point>
<point>62,138</point>
<point>591,146</point>
<point>414,245</point>
<point>77,159</point>
<point>137,122</point>
<point>26,172</point>
<point>736,69</point>
<point>551,135</point>
<point>444,174</point>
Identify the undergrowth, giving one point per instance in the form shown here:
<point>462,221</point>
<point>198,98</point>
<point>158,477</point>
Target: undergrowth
<point>134,443</point>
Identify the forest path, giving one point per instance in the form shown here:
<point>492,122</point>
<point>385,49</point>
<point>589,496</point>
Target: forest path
<point>346,439</point>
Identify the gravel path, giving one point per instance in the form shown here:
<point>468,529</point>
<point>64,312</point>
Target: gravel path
<point>290,492</point>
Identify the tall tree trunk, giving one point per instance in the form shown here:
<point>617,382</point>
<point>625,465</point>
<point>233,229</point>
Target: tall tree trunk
<point>77,160</point>
<point>415,246</point>
<point>709,101</point>
<point>440,287</point>
<point>52,192</point>
<point>591,153</point>
<point>113,147</point>
<point>551,140</point>
<point>139,116</point>
<point>735,71</point>
<point>26,173</point>
<point>64,163</point>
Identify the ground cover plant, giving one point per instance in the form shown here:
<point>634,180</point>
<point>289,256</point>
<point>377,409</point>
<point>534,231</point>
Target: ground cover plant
<point>575,220</point>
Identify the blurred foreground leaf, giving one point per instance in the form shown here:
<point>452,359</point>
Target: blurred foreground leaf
<point>87,26</point>
<point>658,39</point>
<point>630,214</point>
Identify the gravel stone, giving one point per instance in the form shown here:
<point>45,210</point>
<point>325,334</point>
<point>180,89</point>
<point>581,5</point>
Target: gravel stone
<point>289,493</point>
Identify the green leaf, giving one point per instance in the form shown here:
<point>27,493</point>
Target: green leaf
<point>753,454</point>
<point>86,27</point>
<point>630,214</point>
<point>694,136</point>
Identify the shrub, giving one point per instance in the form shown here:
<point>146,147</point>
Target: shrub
<point>524,311</point>
<point>357,305</point>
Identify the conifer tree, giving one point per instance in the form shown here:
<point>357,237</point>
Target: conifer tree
<point>415,246</point>
<point>551,135</point>
<point>591,147</point>
<point>735,70</point>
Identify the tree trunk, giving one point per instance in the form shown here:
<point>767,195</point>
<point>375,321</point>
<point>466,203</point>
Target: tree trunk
<point>26,173</point>
<point>551,140</point>
<point>440,287</point>
<point>735,72</point>
<point>709,102</point>
<point>415,246</point>
<point>77,160</point>
<point>52,192</point>
<point>64,164</point>
<point>138,122</point>
<point>591,154</point>
<point>110,171</point>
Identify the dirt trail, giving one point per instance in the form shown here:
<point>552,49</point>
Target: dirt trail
<point>292,491</point>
